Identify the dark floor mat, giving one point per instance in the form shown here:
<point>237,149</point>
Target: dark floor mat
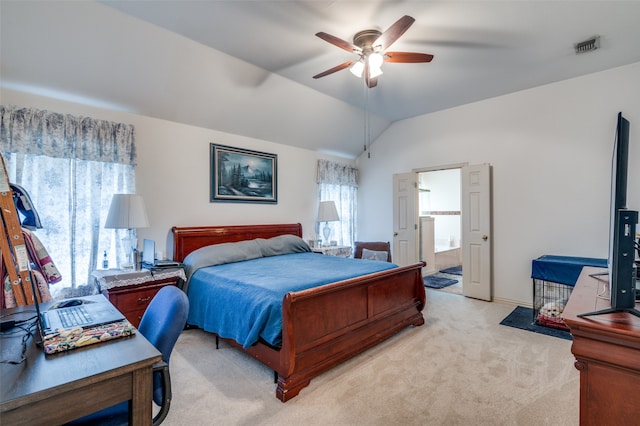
<point>522,318</point>
<point>436,281</point>
<point>454,270</point>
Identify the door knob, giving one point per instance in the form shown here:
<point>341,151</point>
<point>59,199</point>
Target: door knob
<point>485,237</point>
<point>395,234</point>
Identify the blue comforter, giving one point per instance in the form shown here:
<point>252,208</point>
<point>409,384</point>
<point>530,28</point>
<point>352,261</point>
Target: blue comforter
<point>243,300</point>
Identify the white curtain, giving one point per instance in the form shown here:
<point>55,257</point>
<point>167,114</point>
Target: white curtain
<point>339,183</point>
<point>71,167</point>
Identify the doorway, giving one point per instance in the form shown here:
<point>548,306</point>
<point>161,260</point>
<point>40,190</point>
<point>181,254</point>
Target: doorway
<point>474,213</point>
<point>440,226</point>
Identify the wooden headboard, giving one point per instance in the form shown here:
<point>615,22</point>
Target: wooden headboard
<point>188,239</point>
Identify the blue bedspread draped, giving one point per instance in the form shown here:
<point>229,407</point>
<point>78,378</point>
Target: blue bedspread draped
<point>243,300</point>
<point>562,269</point>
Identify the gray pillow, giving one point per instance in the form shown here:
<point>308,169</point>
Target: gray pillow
<point>374,255</point>
<point>218,254</point>
<point>282,244</point>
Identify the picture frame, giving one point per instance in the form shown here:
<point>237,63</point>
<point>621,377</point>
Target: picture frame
<point>243,175</point>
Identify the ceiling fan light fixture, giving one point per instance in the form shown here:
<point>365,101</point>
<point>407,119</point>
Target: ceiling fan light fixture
<point>357,68</point>
<point>375,60</point>
<point>375,72</point>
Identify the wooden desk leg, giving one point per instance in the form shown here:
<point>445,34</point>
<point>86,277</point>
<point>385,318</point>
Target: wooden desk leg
<point>140,412</point>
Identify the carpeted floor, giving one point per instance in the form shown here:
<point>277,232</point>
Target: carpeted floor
<point>522,318</point>
<point>459,368</point>
<point>438,281</point>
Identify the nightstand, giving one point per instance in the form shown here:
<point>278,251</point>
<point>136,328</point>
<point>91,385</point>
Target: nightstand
<point>340,251</point>
<point>131,291</point>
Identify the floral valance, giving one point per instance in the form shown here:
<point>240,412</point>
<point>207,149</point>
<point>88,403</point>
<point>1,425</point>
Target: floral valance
<point>336,173</point>
<point>52,134</point>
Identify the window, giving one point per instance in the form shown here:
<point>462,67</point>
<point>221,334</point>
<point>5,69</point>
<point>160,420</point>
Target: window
<point>339,183</point>
<point>71,167</point>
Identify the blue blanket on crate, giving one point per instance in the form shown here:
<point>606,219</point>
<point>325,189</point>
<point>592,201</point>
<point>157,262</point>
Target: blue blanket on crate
<point>562,269</point>
<point>243,300</point>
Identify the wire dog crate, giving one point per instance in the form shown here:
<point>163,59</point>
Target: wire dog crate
<point>549,299</point>
<point>553,280</point>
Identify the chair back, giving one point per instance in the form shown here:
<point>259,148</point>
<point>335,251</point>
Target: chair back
<point>162,322</point>
<point>372,245</point>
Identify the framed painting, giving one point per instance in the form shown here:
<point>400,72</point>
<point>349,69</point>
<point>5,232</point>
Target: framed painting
<point>242,175</point>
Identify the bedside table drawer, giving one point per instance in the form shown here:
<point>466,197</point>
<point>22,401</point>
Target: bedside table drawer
<point>134,317</point>
<point>132,301</point>
<point>128,301</point>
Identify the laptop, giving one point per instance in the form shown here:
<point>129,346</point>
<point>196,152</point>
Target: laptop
<point>67,314</point>
<point>86,312</point>
<point>149,256</point>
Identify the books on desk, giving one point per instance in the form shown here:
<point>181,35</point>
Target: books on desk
<point>78,337</point>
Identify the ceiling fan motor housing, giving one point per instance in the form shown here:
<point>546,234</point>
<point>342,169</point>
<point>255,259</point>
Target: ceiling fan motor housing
<point>364,40</point>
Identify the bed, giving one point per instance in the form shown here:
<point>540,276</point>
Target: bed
<point>325,325</point>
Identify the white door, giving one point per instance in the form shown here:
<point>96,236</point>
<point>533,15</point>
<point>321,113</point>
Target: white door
<point>476,231</point>
<point>405,228</point>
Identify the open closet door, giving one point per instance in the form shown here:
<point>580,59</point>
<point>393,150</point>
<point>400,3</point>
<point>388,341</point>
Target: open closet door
<point>476,231</point>
<point>405,228</point>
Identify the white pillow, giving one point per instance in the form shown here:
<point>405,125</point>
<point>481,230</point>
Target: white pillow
<point>374,255</point>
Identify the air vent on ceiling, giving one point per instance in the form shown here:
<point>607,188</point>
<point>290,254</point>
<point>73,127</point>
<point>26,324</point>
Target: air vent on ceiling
<point>588,45</point>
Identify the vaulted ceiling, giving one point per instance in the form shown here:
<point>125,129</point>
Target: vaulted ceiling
<point>246,67</point>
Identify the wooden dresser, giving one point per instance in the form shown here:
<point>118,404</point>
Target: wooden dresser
<point>607,352</point>
<point>131,291</point>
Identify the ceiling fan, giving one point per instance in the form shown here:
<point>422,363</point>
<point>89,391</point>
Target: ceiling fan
<point>371,46</point>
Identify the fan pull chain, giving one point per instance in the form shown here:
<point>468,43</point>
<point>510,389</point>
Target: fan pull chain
<point>367,122</point>
<point>366,116</point>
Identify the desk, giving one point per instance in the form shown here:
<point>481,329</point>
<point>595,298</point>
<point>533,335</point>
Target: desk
<point>607,352</point>
<point>55,389</point>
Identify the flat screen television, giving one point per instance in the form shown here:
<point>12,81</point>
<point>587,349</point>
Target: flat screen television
<point>622,225</point>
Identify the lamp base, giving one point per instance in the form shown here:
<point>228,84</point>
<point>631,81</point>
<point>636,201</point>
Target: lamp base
<point>129,244</point>
<point>326,232</point>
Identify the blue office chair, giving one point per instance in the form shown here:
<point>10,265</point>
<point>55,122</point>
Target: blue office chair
<point>161,324</point>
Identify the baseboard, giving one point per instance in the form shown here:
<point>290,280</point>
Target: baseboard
<point>513,302</point>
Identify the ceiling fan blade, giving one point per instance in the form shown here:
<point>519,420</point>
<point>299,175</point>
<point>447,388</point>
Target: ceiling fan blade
<point>334,69</point>
<point>407,57</point>
<point>394,32</point>
<point>342,44</point>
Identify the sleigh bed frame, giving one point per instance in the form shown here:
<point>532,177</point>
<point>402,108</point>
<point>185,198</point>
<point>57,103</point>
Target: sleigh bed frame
<point>326,325</point>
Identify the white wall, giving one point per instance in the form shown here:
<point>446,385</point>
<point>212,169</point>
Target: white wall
<point>73,45</point>
<point>173,173</point>
<point>550,148</point>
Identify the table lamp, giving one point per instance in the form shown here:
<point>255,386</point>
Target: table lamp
<point>127,211</point>
<point>327,212</point>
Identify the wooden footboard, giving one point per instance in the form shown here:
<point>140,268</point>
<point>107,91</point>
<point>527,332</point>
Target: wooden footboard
<point>326,325</point>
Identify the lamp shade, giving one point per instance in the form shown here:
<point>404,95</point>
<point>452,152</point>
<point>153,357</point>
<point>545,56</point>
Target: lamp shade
<point>327,212</point>
<point>357,68</point>
<point>127,211</point>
